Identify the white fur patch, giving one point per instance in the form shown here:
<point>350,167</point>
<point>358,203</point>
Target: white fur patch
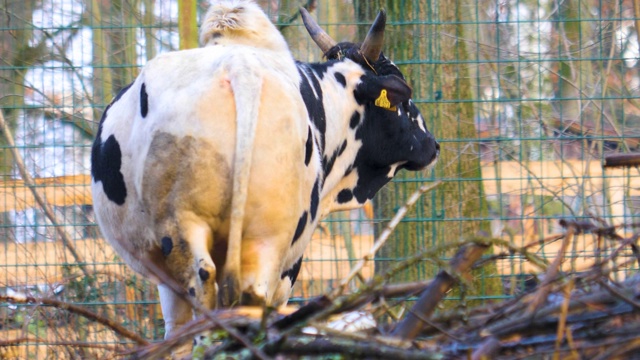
<point>240,22</point>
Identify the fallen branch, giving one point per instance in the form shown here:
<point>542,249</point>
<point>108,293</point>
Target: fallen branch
<point>551,274</point>
<point>352,349</point>
<point>411,326</point>
<point>487,349</point>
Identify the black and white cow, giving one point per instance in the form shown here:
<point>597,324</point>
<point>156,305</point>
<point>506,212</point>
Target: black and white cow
<point>217,163</point>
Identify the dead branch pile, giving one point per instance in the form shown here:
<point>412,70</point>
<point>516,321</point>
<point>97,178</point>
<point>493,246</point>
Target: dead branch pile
<point>580,315</point>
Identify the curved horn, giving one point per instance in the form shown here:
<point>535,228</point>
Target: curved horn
<point>319,36</point>
<point>372,45</point>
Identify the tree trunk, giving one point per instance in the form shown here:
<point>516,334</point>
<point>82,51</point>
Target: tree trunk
<point>16,55</point>
<point>187,24</point>
<point>453,211</point>
<point>149,31</point>
<point>124,56</point>
<point>102,79</point>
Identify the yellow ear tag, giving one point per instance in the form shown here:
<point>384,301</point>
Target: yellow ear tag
<point>383,102</point>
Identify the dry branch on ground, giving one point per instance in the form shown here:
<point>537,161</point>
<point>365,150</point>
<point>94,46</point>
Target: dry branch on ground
<point>584,314</point>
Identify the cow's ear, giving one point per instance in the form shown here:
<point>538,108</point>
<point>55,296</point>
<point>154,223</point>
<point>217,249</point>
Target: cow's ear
<point>385,91</point>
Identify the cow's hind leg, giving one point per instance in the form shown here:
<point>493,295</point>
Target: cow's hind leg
<point>189,262</point>
<point>176,312</point>
<point>203,282</point>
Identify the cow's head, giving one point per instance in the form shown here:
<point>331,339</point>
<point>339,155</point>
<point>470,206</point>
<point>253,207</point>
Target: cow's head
<point>393,132</point>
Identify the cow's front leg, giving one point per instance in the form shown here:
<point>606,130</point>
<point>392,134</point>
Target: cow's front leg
<point>287,280</point>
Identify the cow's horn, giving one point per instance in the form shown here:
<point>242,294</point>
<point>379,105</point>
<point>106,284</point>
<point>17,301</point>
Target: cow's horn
<point>372,45</point>
<point>319,36</point>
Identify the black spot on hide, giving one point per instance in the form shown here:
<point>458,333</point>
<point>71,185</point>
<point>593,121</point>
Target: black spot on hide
<point>343,147</point>
<point>309,89</point>
<point>144,101</point>
<point>345,196</point>
<point>320,69</point>
<point>355,120</point>
<point>106,160</point>
<point>293,272</point>
<point>300,228</point>
<point>204,274</point>
<point>341,79</point>
<point>328,162</point>
<point>315,199</point>
<point>167,246</point>
<point>348,171</point>
<point>308,148</point>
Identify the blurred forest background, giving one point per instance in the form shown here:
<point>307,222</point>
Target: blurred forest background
<point>526,98</point>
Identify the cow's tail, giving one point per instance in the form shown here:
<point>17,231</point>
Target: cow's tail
<point>246,84</point>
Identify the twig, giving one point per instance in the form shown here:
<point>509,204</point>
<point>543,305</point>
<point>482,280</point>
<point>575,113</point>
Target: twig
<point>620,294</point>
<point>384,236</point>
<point>487,349</point>
<point>22,340</point>
<point>615,351</point>
<point>117,328</point>
<point>634,248</point>
<point>305,312</point>
<point>411,326</point>
<point>427,322</point>
<point>404,289</point>
<point>29,182</point>
<point>562,321</point>
<point>552,272</point>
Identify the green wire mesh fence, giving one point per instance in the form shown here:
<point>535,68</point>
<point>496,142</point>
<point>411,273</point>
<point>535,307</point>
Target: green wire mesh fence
<point>526,98</point>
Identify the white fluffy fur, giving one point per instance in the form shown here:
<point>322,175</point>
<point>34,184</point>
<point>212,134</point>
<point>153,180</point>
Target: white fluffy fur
<point>240,22</point>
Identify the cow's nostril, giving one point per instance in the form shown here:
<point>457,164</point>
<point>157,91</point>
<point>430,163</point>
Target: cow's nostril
<point>437,147</point>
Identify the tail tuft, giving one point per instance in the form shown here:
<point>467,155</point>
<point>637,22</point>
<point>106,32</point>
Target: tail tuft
<point>224,16</point>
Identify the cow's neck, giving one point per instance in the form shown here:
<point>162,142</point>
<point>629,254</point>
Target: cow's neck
<point>336,136</point>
